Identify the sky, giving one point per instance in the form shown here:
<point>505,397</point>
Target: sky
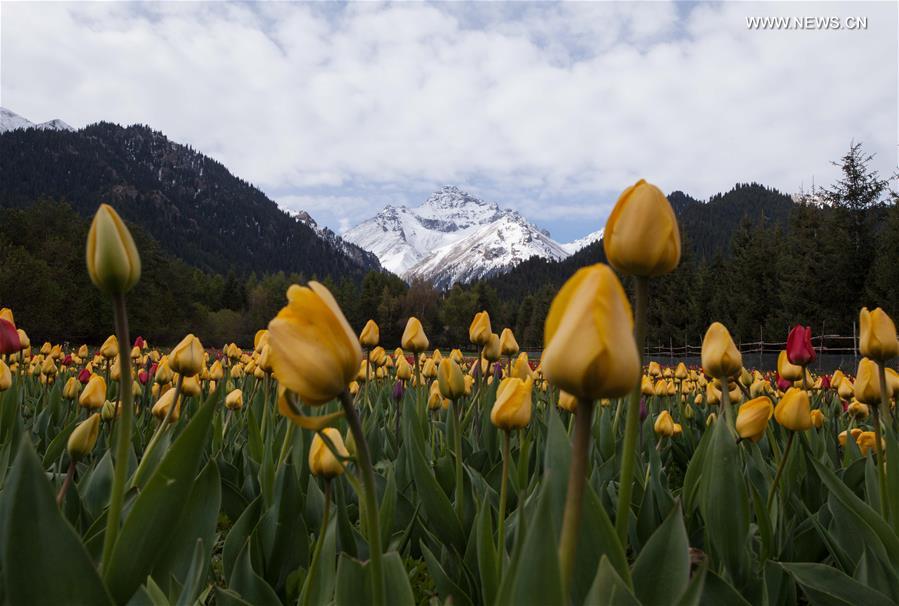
<point>551,109</point>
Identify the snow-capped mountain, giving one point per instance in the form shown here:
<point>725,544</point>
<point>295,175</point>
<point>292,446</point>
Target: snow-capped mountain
<point>10,120</point>
<point>573,247</point>
<point>452,237</point>
<point>355,252</point>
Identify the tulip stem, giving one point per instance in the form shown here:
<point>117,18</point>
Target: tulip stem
<point>70,474</point>
<point>457,446</point>
<point>363,459</point>
<point>503,496</point>
<point>316,554</point>
<point>780,468</point>
<point>878,444</point>
<point>577,478</point>
<point>123,439</point>
<point>632,424</point>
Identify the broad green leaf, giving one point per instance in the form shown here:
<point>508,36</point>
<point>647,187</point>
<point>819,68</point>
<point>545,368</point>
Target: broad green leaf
<point>662,569</point>
<point>158,509</point>
<point>597,539</point>
<point>488,560</point>
<point>238,536</point>
<point>716,591</point>
<point>196,574</point>
<point>44,561</point>
<point>353,586</point>
<point>249,585</point>
<point>827,586</point>
<point>320,586</point>
<point>538,579</point>
<point>608,589</point>
<point>449,591</point>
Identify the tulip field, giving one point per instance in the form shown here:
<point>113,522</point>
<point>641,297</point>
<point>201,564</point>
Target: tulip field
<point>319,465</point>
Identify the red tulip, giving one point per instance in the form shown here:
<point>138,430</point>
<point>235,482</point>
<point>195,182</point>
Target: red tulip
<point>825,382</point>
<point>139,342</point>
<point>799,346</point>
<point>84,376</point>
<point>67,360</point>
<point>143,376</point>
<point>9,338</point>
<point>783,384</point>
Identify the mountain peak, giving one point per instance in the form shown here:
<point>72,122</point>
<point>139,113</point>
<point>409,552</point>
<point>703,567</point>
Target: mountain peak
<point>10,120</point>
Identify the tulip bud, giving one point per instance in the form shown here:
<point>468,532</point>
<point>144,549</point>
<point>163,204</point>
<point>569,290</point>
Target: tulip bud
<point>720,356</point>
<point>164,403</point>
<point>508,346</point>
<point>479,331</point>
<point>817,418</point>
<point>94,393</point>
<point>641,236</point>
<point>5,376</point>
<point>110,347</point>
<point>435,398</point>
<point>112,259</point>
<point>752,418</point>
<point>590,350</point>
<point>867,441</point>
<point>190,386</point>
<point>110,410</point>
<point>370,335</point>
<point>512,409</point>
<point>867,382</point>
<point>793,411</point>
<point>9,338</point>
<point>450,379</point>
<point>878,335</point>
<point>492,348</point>
<point>521,368</point>
<point>567,401</point>
<point>71,389</point>
<point>314,352</point>
<point>414,338</point>
<point>84,437</point>
<point>187,357</point>
<point>680,372</point>
<point>322,462</point>
<point>787,370</point>
<point>854,432</point>
<point>403,369</point>
<point>799,346</point>
<point>857,410</point>
<point>234,400</point>
<point>664,424</point>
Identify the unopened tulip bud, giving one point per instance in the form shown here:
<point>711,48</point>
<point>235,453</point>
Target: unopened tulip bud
<point>71,389</point>
<point>799,346</point>
<point>512,409</point>
<point>793,411</point>
<point>641,236</point>
<point>479,331</point>
<point>664,424</point>
<point>84,437</point>
<point>878,335</point>
<point>786,369</point>
<point>414,338</point>
<point>817,418</point>
<point>567,401</point>
<point>234,400</point>
<point>112,258</point>
<point>508,346</point>
<point>187,357</point>
<point>752,418</point>
<point>94,393</point>
<point>867,382</point>
<point>720,356</point>
<point>322,462</point>
<point>370,335</point>
<point>450,379</point>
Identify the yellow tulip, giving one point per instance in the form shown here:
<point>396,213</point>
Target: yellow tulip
<point>190,386</point>
<point>589,349</point>
<point>680,372</point>
<point>110,410</point>
<point>187,357</point>
<point>260,339</point>
<point>24,341</point>
<point>567,401</point>
<point>647,387</point>
<point>837,378</point>
<point>370,335</point>
<point>678,430</point>
<point>817,418</point>
<point>314,351</point>
<point>867,441</point>
<point>164,403</point>
<point>654,369</point>
<point>110,347</point>
<point>854,432</point>
<point>322,462</point>
<point>378,356</point>
<point>216,372</point>
<point>641,236</point>
<point>857,410</point>
<point>112,259</point>
<point>234,400</point>
<point>435,398</point>
<point>878,335</point>
<point>508,346</point>
<point>84,437</point>
<point>720,356</point>
<point>492,348</point>
<point>71,389</point>
<point>5,376</point>
<point>892,382</point>
<point>414,337</point>
<point>664,424</point>
<point>793,411</point>
<point>451,379</point>
<point>753,417</point>
<point>94,393</point>
<point>846,389</point>
<point>867,382</point>
<point>479,331</point>
<point>403,369</point>
<point>512,409</point>
<point>521,368</point>
<point>790,372</point>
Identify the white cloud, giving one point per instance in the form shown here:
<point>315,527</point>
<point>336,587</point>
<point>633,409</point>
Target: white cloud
<point>552,108</point>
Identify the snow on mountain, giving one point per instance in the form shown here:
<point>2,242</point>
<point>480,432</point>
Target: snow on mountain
<point>573,247</point>
<point>10,120</point>
<point>353,251</point>
<point>452,237</point>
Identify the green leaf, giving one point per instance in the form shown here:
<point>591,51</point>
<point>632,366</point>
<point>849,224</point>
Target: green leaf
<point>488,560</point>
<point>158,509</point>
<point>865,514</point>
<point>608,589</point>
<point>239,534</point>
<point>226,597</point>
<point>724,502</point>
<point>538,579</point>
<point>716,591</point>
<point>387,511</point>
<point>321,585</point>
<point>44,561</point>
<point>196,574</point>
<point>353,586</point>
<point>597,539</point>
<point>662,569</point>
<point>827,586</point>
<point>449,592</point>
<point>693,594</point>
<point>249,585</point>
<point>690,490</point>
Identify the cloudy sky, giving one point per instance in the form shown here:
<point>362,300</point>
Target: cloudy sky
<point>548,108</point>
